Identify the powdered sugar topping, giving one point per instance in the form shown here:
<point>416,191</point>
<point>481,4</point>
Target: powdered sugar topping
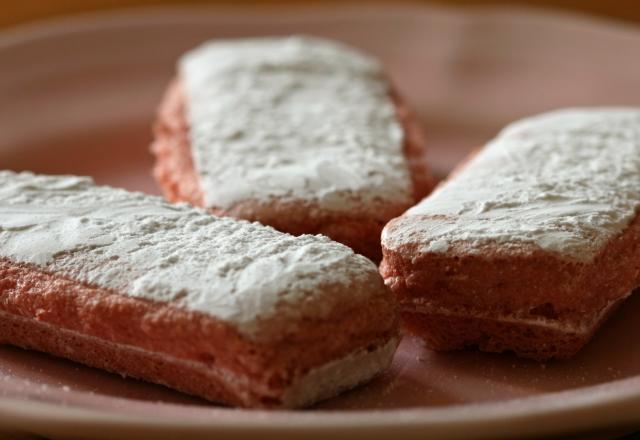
<point>297,117</point>
<point>143,247</point>
<point>566,181</point>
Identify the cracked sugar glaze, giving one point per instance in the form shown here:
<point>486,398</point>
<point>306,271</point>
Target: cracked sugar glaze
<point>566,181</point>
<point>142,246</point>
<point>294,117</point>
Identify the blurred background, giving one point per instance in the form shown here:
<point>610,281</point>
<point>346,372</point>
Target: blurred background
<point>15,12</point>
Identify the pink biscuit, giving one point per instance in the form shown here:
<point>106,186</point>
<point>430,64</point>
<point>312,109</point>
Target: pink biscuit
<point>176,174</point>
<point>100,299</point>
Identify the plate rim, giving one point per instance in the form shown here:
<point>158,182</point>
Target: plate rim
<point>617,407</point>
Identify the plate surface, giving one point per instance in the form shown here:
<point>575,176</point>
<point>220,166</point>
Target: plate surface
<point>78,96</point>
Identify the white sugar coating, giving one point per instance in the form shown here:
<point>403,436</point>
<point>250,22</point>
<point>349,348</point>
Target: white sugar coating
<point>143,247</point>
<point>339,375</point>
<point>295,117</point>
<point>566,181</point>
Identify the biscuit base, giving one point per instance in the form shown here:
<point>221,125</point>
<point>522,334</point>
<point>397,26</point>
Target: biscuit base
<point>198,379</point>
<point>162,342</point>
<point>538,339</point>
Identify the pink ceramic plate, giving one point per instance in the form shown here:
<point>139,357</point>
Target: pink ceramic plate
<point>78,96</point>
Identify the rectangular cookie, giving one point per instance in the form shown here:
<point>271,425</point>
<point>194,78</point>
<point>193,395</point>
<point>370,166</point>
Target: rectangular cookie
<point>231,311</point>
<point>303,134</point>
<point>531,244</point>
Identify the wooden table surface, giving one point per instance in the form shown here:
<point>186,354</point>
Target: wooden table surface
<point>20,11</point>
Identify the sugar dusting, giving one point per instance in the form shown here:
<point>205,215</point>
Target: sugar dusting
<point>566,181</point>
<point>144,247</point>
<point>297,117</point>
<point>337,376</point>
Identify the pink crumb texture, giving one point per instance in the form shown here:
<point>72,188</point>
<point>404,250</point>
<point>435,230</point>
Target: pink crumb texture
<point>521,299</point>
<point>163,343</point>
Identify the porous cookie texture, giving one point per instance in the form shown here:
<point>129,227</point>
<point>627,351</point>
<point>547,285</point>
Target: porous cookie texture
<point>239,300</point>
<point>300,133</point>
<point>539,230</point>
